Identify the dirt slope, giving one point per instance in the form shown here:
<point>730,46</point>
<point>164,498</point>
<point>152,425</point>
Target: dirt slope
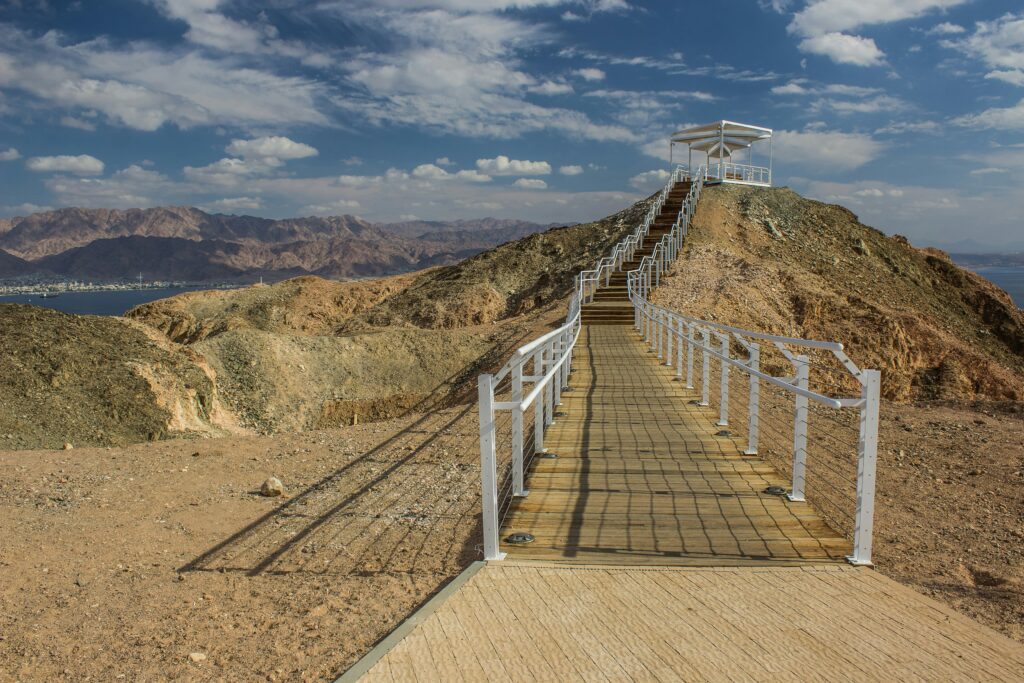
<point>771,260</point>
<point>97,380</point>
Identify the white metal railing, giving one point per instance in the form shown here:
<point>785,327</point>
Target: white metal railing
<point>549,360</point>
<point>739,173</point>
<point>667,331</point>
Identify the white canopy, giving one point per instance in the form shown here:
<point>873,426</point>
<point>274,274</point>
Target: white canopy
<point>727,135</point>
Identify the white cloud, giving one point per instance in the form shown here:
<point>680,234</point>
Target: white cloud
<point>429,172</point>
<point>1006,118</point>
<point>842,48</point>
<point>133,186</point>
<point>531,184</point>
<point>502,165</point>
<point>433,172</point>
<point>10,154</point>
<point>572,169</point>
<point>590,74</point>
<point>830,16</point>
<point>144,86</point>
<point>25,209</point>
<point>235,204</point>
<point>999,44</point>
<point>988,170</point>
<point>274,147</point>
<point>1011,76</point>
<point>80,124</point>
<point>444,161</point>
<point>341,206</point>
<point>791,88</point>
<point>649,181</point>
<point>945,29</point>
<point>825,150</point>
<point>900,127</point>
<point>552,88</point>
<point>83,164</point>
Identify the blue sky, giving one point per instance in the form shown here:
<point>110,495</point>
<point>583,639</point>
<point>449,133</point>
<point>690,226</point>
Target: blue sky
<point>909,112</point>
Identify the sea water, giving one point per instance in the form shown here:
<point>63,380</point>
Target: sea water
<point>1009,278</point>
<point>104,302</point>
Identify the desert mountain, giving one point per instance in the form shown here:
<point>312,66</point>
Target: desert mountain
<point>12,266</point>
<point>185,243</point>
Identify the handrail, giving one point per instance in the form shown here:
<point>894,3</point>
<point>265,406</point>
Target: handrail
<point>551,359</point>
<point>663,328</point>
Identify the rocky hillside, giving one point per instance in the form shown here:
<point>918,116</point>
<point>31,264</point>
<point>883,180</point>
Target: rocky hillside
<point>90,380</point>
<point>310,352</point>
<point>184,243</point>
<point>771,260</point>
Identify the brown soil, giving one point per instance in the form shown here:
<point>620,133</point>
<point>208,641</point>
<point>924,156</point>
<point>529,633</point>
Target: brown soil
<point>89,380</point>
<point>770,260</point>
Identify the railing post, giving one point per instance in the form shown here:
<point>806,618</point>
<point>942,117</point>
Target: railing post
<point>549,355</point>
<point>802,364</point>
<point>488,468</point>
<point>723,408</point>
<point>660,331</point>
<point>754,418</point>
<point>538,404</point>
<point>517,431</point>
<point>668,339</point>
<point>679,350</point>
<point>558,346</point>
<point>689,356</point>
<point>867,456</point>
<point>705,399</point>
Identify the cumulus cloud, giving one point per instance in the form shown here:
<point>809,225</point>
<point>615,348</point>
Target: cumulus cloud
<point>825,150</point>
<point>590,74</point>
<point>531,184</point>
<point>649,181</point>
<point>270,147</point>
<point>235,204</point>
<point>945,29</point>
<point>826,16</point>
<point>334,208</point>
<point>10,154</point>
<point>844,49</point>
<point>502,165</point>
<point>433,172</point>
<point>1011,118</point>
<point>824,26</point>
<point>999,45</point>
<point>572,169</point>
<point>552,88</point>
<point>83,164</point>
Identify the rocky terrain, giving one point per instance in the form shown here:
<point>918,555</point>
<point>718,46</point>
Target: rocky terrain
<point>88,380</point>
<point>185,243</point>
<point>770,260</point>
<point>161,560</point>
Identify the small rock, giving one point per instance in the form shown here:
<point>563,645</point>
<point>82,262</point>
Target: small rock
<point>272,487</point>
<point>861,247</point>
<point>68,446</point>
<point>196,454</point>
<point>197,657</point>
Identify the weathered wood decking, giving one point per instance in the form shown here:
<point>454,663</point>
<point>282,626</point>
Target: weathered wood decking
<point>658,558</point>
<point>537,622</point>
<point>641,478</point>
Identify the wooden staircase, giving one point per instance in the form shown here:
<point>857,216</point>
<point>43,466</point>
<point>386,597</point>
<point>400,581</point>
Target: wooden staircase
<point>611,304</point>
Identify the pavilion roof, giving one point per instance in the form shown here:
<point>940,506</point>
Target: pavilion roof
<point>728,134</point>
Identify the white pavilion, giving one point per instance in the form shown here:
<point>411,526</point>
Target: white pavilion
<point>723,143</point>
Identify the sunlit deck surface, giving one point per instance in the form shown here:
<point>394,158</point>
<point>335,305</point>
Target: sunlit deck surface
<point>642,478</point>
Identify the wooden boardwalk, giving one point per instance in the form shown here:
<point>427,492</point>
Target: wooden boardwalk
<point>531,622</point>
<point>641,478</point>
<point>658,558</point>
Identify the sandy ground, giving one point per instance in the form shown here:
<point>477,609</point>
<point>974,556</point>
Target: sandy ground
<point>121,564</point>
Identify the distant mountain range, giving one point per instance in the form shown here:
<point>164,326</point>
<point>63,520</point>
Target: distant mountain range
<point>1004,260</point>
<point>185,243</point>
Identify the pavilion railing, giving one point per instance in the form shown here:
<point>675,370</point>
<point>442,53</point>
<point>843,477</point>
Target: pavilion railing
<point>739,173</point>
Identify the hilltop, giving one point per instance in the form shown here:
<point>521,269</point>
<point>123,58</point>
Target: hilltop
<point>771,260</point>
